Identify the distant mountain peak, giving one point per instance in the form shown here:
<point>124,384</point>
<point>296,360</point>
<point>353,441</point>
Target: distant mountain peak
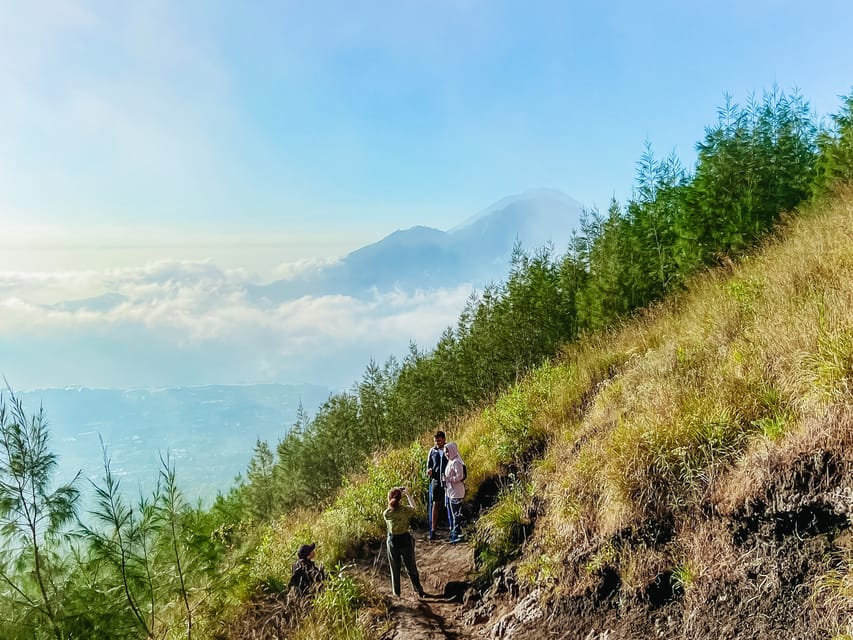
<point>540,198</point>
<point>416,233</point>
<point>475,252</point>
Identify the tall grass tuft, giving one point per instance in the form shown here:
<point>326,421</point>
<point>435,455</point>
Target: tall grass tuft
<point>502,529</point>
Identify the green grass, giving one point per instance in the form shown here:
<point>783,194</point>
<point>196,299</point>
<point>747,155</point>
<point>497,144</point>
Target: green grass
<point>689,408</point>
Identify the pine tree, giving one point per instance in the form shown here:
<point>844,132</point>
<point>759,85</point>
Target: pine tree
<point>835,150</point>
<point>33,516</point>
<point>261,490</point>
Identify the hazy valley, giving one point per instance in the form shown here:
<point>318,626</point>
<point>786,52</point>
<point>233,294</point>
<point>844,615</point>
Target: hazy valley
<point>208,432</point>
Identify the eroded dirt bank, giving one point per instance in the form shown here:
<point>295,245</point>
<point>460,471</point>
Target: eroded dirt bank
<point>777,566</point>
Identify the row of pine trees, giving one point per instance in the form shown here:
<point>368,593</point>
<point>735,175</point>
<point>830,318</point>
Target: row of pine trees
<point>149,567</point>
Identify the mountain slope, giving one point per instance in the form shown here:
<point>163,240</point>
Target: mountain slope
<point>699,477</point>
<point>476,252</point>
<point>687,475</point>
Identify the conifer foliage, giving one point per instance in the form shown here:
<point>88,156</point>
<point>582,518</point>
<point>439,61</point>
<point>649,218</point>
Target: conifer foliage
<point>33,519</point>
<point>118,573</point>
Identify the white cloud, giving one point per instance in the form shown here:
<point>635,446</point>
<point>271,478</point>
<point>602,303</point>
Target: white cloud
<point>292,270</point>
<point>196,324</point>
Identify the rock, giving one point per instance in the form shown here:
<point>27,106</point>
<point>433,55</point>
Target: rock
<point>529,609</point>
<point>471,597</point>
<point>475,617</point>
<point>526,612</point>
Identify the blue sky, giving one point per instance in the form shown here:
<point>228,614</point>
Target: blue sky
<point>251,136</point>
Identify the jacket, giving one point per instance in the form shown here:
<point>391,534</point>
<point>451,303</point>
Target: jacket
<point>437,462</point>
<point>454,473</point>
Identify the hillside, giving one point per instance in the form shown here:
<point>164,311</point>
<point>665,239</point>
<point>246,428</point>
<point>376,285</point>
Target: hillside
<point>698,480</point>
<point>685,475</point>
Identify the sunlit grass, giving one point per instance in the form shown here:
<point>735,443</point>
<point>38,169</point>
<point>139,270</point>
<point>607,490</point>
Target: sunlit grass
<point>697,402</point>
<point>737,361</point>
<point>503,528</point>
<point>832,593</point>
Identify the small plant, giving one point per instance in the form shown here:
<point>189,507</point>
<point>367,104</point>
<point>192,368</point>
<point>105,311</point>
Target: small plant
<point>773,427</point>
<point>603,557</point>
<point>502,530</point>
<point>542,567</point>
<point>745,293</point>
<point>683,577</point>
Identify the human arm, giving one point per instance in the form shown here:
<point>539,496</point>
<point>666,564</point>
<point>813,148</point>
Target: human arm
<point>405,492</point>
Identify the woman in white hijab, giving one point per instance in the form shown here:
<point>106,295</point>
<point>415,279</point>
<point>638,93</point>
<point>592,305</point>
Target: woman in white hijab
<point>454,483</point>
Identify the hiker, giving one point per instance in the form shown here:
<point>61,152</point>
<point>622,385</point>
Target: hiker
<point>436,463</point>
<point>307,577</point>
<point>401,543</point>
<point>454,483</point>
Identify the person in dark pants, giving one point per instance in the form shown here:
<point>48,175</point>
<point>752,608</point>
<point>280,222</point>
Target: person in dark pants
<point>436,464</point>
<point>401,544</point>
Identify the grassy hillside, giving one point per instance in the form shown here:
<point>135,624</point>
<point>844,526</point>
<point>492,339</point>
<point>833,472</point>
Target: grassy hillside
<point>699,450</point>
<point>720,436</point>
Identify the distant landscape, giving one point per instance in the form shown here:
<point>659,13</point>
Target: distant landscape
<point>208,432</point>
<point>196,323</point>
<point>254,257</point>
<point>662,401</point>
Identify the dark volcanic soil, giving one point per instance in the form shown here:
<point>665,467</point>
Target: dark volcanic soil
<point>770,598</point>
<point>445,570</point>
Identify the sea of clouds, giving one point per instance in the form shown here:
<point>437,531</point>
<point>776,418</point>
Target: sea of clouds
<point>178,322</point>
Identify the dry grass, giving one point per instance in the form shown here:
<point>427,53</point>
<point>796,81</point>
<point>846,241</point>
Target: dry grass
<point>707,396</point>
<point>832,593</point>
<point>693,411</point>
<point>705,558</point>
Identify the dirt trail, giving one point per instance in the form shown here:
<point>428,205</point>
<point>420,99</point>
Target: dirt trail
<point>445,571</point>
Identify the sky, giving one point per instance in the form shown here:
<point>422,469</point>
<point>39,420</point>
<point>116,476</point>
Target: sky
<point>172,153</point>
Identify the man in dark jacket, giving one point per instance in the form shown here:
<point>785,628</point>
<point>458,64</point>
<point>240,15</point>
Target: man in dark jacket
<point>307,576</point>
<point>436,463</point>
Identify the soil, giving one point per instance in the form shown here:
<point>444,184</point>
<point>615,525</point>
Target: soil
<point>446,571</point>
<point>772,604</point>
